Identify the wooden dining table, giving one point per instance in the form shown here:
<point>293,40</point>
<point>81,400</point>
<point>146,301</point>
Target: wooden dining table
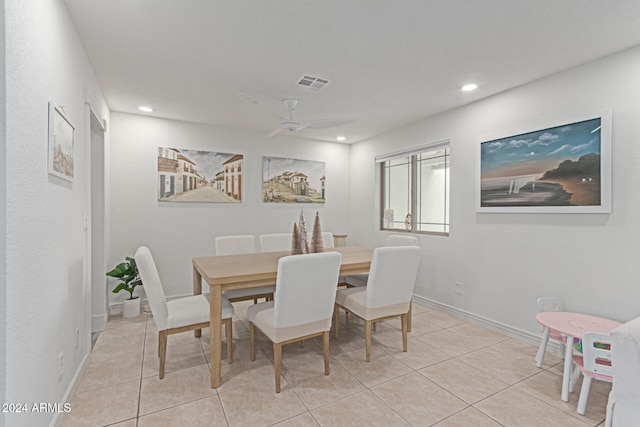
<point>227,272</point>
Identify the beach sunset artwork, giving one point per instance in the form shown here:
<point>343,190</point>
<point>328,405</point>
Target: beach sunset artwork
<point>554,167</point>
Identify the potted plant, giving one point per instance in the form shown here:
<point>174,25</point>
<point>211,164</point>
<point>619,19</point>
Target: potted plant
<point>127,273</point>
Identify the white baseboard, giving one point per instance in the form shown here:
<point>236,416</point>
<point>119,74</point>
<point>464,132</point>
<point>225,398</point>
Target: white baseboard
<point>516,333</point>
<point>71,390</point>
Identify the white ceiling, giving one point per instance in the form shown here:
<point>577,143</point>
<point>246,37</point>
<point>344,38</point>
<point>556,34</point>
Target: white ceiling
<point>390,63</point>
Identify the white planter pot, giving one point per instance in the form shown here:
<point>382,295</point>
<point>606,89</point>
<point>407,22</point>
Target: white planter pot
<point>131,307</point>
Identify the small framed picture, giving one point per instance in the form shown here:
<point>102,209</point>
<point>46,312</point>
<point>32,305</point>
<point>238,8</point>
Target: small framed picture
<point>61,135</point>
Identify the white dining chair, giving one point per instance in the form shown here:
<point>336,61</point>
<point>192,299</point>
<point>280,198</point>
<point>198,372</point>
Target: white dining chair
<point>277,242</point>
<point>178,315</point>
<point>327,239</point>
<point>361,279</point>
<point>242,244</point>
<point>392,240</point>
<point>388,292</point>
<point>549,304</point>
<point>594,362</point>
<point>303,305</point>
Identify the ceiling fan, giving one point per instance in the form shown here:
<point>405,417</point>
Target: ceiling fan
<point>290,125</point>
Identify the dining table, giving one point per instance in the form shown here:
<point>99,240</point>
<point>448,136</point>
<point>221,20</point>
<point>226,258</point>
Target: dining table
<point>227,272</point>
<point>572,326</point>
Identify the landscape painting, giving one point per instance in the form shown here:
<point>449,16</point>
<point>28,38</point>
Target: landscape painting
<point>292,180</point>
<point>199,176</point>
<point>559,169</point>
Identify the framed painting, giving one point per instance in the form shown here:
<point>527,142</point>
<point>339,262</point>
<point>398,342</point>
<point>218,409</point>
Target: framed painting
<point>293,181</point>
<point>199,176</point>
<point>559,169</point>
<point>61,135</point>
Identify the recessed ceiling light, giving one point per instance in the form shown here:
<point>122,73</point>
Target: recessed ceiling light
<point>341,138</point>
<point>469,87</point>
<point>145,109</point>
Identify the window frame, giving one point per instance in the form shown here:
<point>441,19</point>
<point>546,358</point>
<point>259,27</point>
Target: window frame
<point>413,155</point>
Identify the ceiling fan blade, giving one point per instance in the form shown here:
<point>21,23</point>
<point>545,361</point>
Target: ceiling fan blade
<point>251,100</point>
<point>329,123</point>
<point>274,133</point>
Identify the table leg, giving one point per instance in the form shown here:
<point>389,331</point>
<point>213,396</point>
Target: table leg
<point>542,348</point>
<point>197,290</point>
<point>215,309</point>
<point>568,362</point>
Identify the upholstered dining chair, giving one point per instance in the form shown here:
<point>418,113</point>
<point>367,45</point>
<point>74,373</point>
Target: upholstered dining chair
<point>303,305</point>
<point>179,315</point>
<point>549,304</point>
<point>277,242</point>
<point>242,244</point>
<point>392,240</point>
<point>388,292</point>
<point>361,279</point>
<point>594,362</point>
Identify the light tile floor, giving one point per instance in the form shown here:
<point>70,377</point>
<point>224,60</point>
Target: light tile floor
<point>455,374</point>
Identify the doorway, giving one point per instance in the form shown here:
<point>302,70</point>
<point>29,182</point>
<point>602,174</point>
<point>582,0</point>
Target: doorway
<point>99,298</point>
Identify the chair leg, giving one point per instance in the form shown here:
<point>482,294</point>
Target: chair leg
<point>229,333</point>
<point>542,348</point>
<point>584,394</point>
<point>252,344</point>
<point>404,319</point>
<point>162,346</point>
<point>336,316</point>
<point>373,326</point>
<point>575,375</point>
<point>367,340</point>
<point>409,321</point>
<point>325,348</point>
<point>277,361</point>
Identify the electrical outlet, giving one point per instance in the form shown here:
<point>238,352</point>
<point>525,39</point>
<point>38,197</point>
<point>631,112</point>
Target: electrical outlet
<point>457,288</point>
<point>77,336</point>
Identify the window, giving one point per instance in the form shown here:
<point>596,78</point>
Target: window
<point>415,189</point>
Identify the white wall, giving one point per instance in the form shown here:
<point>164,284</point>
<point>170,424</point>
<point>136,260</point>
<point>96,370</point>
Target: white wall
<point>3,215</point>
<point>506,261</point>
<point>176,232</point>
<point>47,294</point>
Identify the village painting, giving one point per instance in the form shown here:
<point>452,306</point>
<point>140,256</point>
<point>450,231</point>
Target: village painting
<point>292,180</point>
<point>199,176</point>
<point>554,167</point>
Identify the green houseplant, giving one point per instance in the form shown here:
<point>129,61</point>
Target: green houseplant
<point>127,274</point>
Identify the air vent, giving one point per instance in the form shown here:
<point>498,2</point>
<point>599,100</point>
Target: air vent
<point>313,83</point>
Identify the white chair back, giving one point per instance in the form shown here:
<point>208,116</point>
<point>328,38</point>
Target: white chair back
<point>623,408</point>
<point>234,245</point>
<point>152,286</point>
<point>392,275</point>
<point>597,359</point>
<point>306,289</point>
<point>398,240</point>
<point>327,239</point>
<point>550,304</point>
<point>275,242</point>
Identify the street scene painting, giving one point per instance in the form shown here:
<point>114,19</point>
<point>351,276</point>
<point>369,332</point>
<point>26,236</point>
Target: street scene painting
<point>199,176</point>
<point>292,180</point>
<point>60,143</point>
<point>556,169</point>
